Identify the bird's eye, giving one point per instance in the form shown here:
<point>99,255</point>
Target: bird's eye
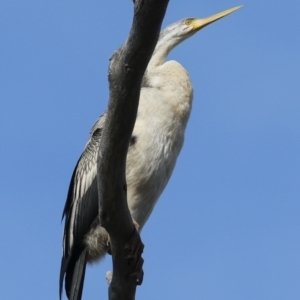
<point>188,22</point>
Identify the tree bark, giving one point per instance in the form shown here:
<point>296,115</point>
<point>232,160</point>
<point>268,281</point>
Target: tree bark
<point>126,70</point>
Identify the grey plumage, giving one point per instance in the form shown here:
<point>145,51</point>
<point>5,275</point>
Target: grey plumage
<point>157,139</point>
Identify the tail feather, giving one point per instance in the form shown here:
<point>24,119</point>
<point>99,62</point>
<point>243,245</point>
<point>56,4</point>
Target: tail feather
<point>74,268</point>
<point>63,268</point>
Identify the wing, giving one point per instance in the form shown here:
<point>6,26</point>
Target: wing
<point>82,202</point>
<point>81,208</point>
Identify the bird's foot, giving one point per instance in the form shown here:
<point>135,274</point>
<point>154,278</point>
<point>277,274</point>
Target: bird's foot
<point>137,227</point>
<point>134,249</point>
<point>109,275</point>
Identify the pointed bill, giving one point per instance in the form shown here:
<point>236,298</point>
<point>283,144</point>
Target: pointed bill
<point>201,23</point>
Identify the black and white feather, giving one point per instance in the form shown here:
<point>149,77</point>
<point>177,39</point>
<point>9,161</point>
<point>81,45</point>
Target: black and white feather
<point>164,109</point>
<point>81,216</point>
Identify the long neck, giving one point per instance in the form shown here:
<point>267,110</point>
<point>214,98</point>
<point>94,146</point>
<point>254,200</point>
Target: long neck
<point>164,45</point>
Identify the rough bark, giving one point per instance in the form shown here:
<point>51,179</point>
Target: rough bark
<point>126,70</point>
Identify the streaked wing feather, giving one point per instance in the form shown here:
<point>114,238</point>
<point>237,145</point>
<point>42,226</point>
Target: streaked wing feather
<point>81,208</point>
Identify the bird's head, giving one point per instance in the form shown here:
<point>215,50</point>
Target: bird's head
<point>177,32</point>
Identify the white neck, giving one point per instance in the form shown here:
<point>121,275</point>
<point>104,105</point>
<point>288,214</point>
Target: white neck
<point>162,50</point>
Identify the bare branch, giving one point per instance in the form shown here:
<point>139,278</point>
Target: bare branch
<point>126,70</point>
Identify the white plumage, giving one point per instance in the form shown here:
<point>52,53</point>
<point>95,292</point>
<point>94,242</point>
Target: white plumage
<point>158,135</point>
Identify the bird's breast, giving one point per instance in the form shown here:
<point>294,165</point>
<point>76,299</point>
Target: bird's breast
<point>159,136</point>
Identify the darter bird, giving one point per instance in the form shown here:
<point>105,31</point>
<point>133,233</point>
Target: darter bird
<point>164,109</point>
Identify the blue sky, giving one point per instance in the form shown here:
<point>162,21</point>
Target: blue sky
<point>227,226</point>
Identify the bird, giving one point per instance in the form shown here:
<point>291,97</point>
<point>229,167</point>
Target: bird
<point>164,108</point>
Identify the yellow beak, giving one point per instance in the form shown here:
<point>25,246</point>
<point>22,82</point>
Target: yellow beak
<point>198,24</point>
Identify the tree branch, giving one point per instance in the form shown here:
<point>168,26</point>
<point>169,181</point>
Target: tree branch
<point>126,70</point>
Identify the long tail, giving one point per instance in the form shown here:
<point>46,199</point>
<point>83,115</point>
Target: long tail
<point>73,269</point>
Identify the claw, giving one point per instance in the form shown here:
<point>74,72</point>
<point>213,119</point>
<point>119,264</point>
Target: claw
<point>135,249</point>
<point>109,275</point>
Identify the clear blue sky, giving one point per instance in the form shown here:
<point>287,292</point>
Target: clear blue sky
<point>227,226</point>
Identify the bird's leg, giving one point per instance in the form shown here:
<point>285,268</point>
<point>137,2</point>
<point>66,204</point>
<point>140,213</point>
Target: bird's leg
<point>134,249</point>
<point>137,227</point>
